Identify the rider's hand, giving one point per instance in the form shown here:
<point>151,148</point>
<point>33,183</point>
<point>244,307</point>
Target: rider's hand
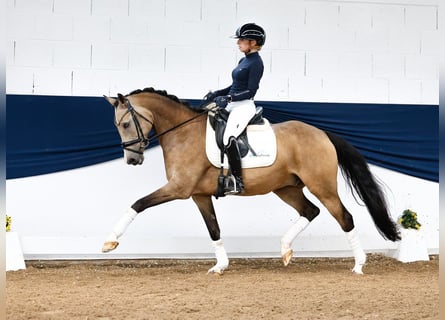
<point>210,96</point>
<point>223,101</point>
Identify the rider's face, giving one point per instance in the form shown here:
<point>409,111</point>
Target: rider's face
<point>245,45</point>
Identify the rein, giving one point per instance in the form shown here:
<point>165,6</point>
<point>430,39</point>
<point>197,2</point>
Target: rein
<point>141,138</point>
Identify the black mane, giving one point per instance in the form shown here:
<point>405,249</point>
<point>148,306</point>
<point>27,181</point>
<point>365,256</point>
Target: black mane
<point>160,92</point>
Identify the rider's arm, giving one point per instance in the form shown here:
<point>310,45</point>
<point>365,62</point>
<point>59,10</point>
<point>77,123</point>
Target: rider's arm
<point>222,92</point>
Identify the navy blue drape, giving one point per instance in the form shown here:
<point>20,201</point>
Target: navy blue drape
<point>53,133</point>
<point>47,134</point>
<point>403,138</point>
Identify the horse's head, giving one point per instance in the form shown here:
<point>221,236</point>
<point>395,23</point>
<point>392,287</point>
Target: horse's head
<point>133,124</point>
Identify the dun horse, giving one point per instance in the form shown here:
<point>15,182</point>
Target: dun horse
<point>306,156</point>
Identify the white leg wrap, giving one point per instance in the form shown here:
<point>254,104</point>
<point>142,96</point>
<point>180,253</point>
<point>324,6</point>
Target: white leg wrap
<point>222,261</point>
<point>359,254</point>
<point>292,233</point>
<point>122,225</point>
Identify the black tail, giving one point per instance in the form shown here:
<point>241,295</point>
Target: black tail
<point>357,174</point>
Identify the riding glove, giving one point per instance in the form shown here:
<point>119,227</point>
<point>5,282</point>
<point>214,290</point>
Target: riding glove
<point>223,101</point>
<point>210,96</point>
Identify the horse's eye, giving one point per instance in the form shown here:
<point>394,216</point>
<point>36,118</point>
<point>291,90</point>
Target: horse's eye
<point>125,125</point>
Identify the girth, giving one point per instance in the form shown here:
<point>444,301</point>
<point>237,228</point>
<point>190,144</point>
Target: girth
<point>218,121</point>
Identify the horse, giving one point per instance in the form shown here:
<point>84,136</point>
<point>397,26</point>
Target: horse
<point>306,157</point>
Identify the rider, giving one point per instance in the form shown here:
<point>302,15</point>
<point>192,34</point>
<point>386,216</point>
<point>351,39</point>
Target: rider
<point>238,97</point>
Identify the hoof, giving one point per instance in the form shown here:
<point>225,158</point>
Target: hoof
<point>218,271</point>
<point>109,246</point>
<point>357,269</point>
<point>287,256</point>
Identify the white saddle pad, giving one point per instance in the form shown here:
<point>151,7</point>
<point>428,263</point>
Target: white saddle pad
<point>261,139</point>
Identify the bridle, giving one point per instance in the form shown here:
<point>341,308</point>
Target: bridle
<point>141,139</point>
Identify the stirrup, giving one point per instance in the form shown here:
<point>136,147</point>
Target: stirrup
<point>232,186</point>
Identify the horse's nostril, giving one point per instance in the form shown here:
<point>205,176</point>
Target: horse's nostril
<point>135,160</point>
<point>132,161</point>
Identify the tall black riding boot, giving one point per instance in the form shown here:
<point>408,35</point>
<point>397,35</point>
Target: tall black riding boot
<point>235,184</point>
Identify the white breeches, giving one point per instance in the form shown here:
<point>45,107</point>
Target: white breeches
<point>240,114</point>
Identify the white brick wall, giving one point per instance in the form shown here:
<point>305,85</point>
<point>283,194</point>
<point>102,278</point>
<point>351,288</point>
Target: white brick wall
<point>419,18</point>
<point>88,82</point>
<point>71,54</point>
<point>110,56</point>
<point>70,7</point>
<point>428,42</point>
<point>53,27</point>
<point>10,49</point>
<point>355,16</point>
<point>182,59</point>
<point>422,67</point>
<point>305,88</point>
<point>288,62</point>
<point>386,17</point>
<point>324,50</point>
<point>33,7</point>
<point>429,91</point>
<point>124,29</point>
<point>91,28</point>
<point>109,7</point>
<point>60,85</point>
<point>149,9</point>
<point>324,14</point>
<point>217,11</point>
<point>372,40</point>
<point>402,89</point>
<point>184,11</point>
<point>146,58</point>
<point>20,80</point>
<point>33,53</point>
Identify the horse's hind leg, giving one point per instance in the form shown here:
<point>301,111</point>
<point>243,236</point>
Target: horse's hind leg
<point>334,205</point>
<point>205,206</point>
<point>295,197</point>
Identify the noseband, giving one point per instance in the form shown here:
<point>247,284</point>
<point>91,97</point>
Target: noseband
<point>141,139</point>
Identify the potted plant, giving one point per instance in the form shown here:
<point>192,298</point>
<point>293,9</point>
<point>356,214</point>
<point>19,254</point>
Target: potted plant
<point>8,223</point>
<point>14,255</point>
<point>408,220</point>
<point>412,247</point>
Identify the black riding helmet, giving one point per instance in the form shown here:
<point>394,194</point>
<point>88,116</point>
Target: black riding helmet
<point>251,31</point>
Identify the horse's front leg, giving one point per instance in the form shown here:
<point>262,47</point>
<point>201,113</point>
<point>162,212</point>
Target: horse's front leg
<point>205,206</point>
<point>162,195</point>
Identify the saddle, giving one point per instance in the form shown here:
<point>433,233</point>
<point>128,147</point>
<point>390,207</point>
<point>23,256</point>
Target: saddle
<point>218,121</point>
<point>266,151</point>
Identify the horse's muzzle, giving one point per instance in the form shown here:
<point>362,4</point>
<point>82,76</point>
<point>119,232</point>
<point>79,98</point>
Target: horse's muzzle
<point>134,158</point>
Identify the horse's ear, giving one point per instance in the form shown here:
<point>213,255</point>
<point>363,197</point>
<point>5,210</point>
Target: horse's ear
<point>121,98</point>
<point>112,101</point>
